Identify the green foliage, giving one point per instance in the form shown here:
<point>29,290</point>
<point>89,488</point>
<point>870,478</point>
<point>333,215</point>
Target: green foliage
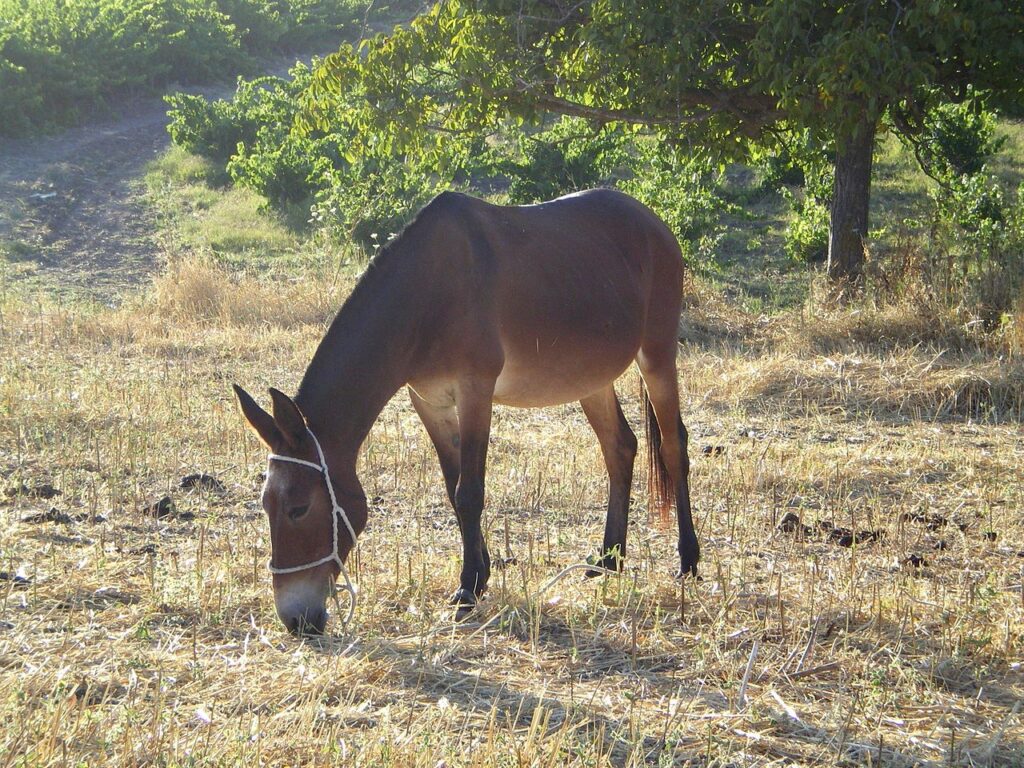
<point>250,135</point>
<point>796,159</point>
<point>370,201</point>
<point>681,190</point>
<point>209,129</point>
<point>259,24</point>
<point>60,60</point>
<point>214,129</point>
<point>957,140</point>
<point>716,74</point>
<point>800,160</point>
<point>364,198</point>
<point>567,157</point>
<point>265,25</point>
<point>779,169</point>
<point>806,238</point>
<point>285,168</point>
<point>977,228</point>
<point>552,169</point>
<point>977,248</point>
<point>831,64</point>
<point>975,204</point>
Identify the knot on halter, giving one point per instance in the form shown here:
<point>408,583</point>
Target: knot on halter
<point>336,512</point>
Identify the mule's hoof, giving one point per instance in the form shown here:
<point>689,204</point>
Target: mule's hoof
<point>607,563</point>
<point>691,571</point>
<point>689,556</point>
<point>464,602</point>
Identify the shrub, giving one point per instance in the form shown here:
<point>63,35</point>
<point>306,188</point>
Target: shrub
<point>565,158</point>
<point>251,136</point>
<point>60,60</point>
<point>287,169</point>
<point>214,129</point>
<point>360,198</point>
<point>154,42</point>
<point>681,190</point>
<point>806,238</point>
<point>977,246</point>
<point>957,141</point>
<point>259,24</point>
<point>798,161</point>
<point>371,200</point>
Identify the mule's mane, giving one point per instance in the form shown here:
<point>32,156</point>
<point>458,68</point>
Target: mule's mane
<point>365,338</point>
<point>399,251</point>
<point>424,217</point>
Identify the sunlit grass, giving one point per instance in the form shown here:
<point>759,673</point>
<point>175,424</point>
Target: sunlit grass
<point>202,214</point>
<point>144,641</point>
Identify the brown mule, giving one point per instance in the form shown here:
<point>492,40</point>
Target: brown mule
<point>475,304</point>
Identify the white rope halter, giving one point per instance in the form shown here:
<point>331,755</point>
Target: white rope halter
<point>336,512</point>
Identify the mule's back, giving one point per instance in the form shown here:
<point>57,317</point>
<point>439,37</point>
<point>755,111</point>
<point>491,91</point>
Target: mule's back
<point>567,289</point>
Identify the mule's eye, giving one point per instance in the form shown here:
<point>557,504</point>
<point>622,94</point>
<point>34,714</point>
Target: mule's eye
<point>296,512</point>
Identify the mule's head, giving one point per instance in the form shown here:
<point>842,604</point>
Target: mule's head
<point>298,507</point>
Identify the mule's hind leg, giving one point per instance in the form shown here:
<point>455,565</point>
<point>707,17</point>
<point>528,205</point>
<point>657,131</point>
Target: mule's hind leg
<point>658,368</point>
<point>618,445</point>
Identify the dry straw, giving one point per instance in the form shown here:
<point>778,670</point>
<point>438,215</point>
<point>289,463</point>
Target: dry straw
<point>129,639</point>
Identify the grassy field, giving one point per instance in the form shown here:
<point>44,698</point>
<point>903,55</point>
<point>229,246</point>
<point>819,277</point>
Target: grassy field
<point>856,481</point>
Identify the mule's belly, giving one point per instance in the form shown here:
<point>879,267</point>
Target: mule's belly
<point>565,337</point>
<point>538,377</point>
<point>543,377</point>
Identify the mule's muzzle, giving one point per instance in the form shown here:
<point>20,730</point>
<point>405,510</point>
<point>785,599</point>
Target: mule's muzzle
<point>301,603</point>
<point>310,622</point>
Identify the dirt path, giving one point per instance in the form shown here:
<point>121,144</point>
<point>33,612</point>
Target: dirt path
<point>70,207</point>
<point>72,214</point>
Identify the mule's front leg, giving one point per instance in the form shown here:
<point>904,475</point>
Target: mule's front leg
<point>474,404</point>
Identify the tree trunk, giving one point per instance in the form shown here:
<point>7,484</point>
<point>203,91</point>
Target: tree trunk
<point>851,194</point>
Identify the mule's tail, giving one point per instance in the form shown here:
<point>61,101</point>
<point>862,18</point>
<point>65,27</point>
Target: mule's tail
<point>660,492</point>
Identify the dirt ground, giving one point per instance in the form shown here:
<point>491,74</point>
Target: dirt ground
<point>72,215</point>
<point>70,206</point>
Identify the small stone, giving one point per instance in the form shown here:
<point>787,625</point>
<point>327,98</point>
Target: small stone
<point>915,561</point>
<point>160,509</point>
<point>202,480</point>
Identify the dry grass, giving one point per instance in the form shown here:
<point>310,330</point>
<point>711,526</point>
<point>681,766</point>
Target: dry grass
<point>154,642</point>
<point>197,291</point>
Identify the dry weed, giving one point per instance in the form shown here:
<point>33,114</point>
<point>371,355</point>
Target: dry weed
<point>196,291</point>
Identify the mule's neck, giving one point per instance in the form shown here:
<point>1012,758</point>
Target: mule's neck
<point>368,352</point>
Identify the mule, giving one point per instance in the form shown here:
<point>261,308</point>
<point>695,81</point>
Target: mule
<point>475,304</point>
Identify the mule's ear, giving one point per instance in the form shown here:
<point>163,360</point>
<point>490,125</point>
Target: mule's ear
<point>289,418</point>
<point>262,423</point>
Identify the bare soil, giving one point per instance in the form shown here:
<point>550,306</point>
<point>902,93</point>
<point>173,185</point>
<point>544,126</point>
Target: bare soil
<point>70,206</point>
<point>72,213</point>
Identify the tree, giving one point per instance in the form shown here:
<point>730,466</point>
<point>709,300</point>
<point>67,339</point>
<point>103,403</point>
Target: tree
<point>717,74</point>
